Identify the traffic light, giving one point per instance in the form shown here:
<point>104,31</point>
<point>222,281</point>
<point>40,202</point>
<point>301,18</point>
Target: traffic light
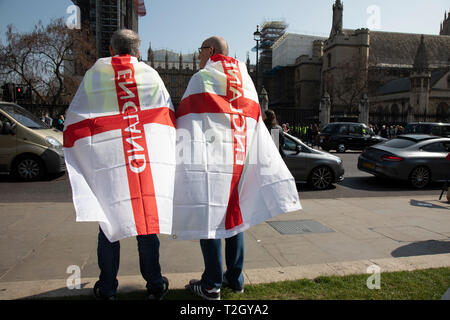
<point>19,93</point>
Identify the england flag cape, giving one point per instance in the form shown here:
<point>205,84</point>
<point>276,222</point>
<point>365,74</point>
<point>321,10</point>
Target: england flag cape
<point>229,175</point>
<point>119,147</point>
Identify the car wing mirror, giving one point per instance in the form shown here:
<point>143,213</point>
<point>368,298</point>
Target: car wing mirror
<point>8,128</point>
<point>298,148</point>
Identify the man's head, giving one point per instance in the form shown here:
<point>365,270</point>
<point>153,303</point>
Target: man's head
<point>210,47</point>
<point>125,41</point>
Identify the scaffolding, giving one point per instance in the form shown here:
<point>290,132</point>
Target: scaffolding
<point>104,17</point>
<point>271,31</point>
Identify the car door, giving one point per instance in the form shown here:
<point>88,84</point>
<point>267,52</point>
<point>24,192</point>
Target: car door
<point>355,137</point>
<point>294,159</point>
<point>8,144</point>
<point>438,162</point>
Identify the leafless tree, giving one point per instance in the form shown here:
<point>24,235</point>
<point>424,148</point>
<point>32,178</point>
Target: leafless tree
<point>45,60</point>
<point>347,82</point>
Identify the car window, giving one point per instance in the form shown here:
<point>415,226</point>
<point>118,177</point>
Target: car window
<point>418,128</point>
<point>24,117</point>
<point>447,146</point>
<point>399,143</point>
<point>435,147</point>
<point>436,130</point>
<point>329,128</point>
<point>354,129</point>
<point>343,129</point>
<point>289,144</point>
<point>445,131</point>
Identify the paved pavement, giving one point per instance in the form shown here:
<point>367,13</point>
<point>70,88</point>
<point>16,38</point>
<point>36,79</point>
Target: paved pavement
<point>40,243</point>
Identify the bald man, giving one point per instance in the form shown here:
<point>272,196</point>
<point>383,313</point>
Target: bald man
<point>213,277</point>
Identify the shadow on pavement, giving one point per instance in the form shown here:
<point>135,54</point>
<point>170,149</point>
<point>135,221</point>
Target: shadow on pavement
<point>380,184</point>
<point>422,248</point>
<point>11,179</point>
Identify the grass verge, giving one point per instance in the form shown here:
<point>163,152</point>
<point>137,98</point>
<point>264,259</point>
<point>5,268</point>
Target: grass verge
<point>429,284</point>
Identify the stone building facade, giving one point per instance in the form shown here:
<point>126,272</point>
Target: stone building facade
<point>404,76</point>
<point>175,70</point>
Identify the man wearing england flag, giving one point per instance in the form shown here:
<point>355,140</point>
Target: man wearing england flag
<point>119,146</point>
<point>229,175</point>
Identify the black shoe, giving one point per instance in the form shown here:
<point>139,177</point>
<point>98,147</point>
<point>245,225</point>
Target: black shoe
<point>209,294</point>
<point>225,283</point>
<point>158,294</point>
<point>99,296</point>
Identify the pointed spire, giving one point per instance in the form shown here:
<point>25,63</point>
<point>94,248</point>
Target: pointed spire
<point>181,61</point>
<point>421,60</point>
<point>167,60</point>
<point>150,56</point>
<point>195,61</point>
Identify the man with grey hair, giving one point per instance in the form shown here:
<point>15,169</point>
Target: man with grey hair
<point>121,193</point>
<point>125,41</point>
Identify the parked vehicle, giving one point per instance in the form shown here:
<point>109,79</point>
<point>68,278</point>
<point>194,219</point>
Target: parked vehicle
<point>419,159</point>
<point>341,136</point>
<point>29,149</point>
<point>317,168</point>
<point>432,128</point>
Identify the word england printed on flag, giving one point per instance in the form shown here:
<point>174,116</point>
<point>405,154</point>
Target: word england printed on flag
<point>119,146</point>
<point>229,175</point>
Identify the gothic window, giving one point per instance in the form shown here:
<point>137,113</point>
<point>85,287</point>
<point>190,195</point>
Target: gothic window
<point>329,60</point>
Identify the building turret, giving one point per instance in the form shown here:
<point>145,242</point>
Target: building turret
<point>167,60</point>
<point>338,14</point>
<point>445,25</point>
<point>194,60</point>
<point>151,56</point>
<point>420,81</point>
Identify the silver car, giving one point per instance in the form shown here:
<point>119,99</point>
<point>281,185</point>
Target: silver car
<point>317,168</point>
<point>419,159</point>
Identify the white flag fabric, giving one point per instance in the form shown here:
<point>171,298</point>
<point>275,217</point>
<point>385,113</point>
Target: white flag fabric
<point>229,175</point>
<point>119,147</point>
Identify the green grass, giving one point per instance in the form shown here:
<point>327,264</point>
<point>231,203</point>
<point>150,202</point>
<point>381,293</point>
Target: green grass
<point>430,284</point>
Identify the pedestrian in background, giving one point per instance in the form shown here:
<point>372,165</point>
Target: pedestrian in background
<point>272,125</point>
<point>60,122</point>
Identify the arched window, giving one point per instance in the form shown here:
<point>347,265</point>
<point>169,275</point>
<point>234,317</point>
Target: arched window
<point>329,60</point>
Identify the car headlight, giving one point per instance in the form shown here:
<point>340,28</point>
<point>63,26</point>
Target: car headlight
<point>55,144</point>
<point>339,161</point>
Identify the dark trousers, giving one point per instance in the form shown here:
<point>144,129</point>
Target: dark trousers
<point>234,260</point>
<point>109,258</point>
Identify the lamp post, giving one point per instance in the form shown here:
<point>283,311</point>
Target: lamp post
<point>257,37</point>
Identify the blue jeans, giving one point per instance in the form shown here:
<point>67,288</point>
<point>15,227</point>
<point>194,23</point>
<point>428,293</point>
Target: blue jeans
<point>109,257</point>
<point>234,259</point>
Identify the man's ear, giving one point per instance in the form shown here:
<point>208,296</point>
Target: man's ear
<point>139,54</point>
<point>111,50</point>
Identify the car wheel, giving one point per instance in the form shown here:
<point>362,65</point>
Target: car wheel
<point>340,148</point>
<point>321,178</point>
<point>420,177</point>
<point>29,168</point>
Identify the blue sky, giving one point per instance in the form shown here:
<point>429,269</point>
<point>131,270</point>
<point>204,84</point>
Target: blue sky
<point>182,25</point>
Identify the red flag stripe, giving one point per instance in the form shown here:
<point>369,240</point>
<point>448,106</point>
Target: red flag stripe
<point>91,127</point>
<point>206,102</point>
<point>140,179</point>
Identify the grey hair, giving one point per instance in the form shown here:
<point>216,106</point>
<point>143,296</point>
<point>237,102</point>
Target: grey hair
<point>125,41</point>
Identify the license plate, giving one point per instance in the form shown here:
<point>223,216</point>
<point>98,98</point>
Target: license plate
<point>368,165</point>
